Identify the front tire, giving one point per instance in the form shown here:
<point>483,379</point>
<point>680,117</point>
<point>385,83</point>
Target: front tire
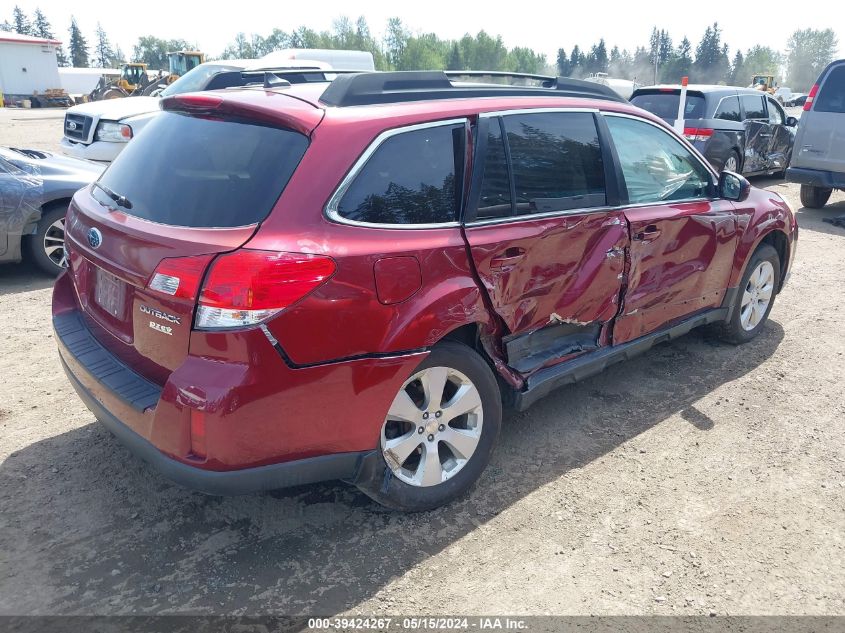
<point>814,197</point>
<point>755,298</point>
<point>46,248</point>
<point>439,433</point>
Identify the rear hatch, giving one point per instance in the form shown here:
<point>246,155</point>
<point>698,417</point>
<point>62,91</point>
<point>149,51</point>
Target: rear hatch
<point>195,183</point>
<point>820,142</point>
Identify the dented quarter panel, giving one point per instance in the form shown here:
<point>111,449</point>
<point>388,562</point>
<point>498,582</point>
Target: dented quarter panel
<point>570,270</point>
<point>681,259</point>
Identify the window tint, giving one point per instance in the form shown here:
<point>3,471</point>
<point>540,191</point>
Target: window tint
<point>728,110</point>
<point>754,107</point>
<point>409,179</point>
<point>776,116</point>
<point>191,171</point>
<point>665,104</point>
<point>556,160</point>
<point>831,97</point>
<point>495,198</point>
<point>655,165</point>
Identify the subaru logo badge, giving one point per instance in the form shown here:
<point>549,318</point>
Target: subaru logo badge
<point>95,238</point>
<point>71,125</point>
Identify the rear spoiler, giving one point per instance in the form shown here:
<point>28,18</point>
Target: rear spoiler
<point>259,107</point>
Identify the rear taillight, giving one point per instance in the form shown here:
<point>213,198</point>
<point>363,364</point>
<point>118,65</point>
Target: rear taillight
<point>693,134</point>
<point>808,104</point>
<point>179,277</point>
<point>248,286</point>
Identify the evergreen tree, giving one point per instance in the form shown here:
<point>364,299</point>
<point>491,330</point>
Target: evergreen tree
<point>737,69</point>
<point>103,53</point>
<point>21,22</point>
<point>711,58</point>
<point>563,67</point>
<point>456,59</point>
<point>679,64</point>
<point>7,26</point>
<point>597,61</point>
<point>42,28</point>
<point>78,46</point>
<point>576,62</point>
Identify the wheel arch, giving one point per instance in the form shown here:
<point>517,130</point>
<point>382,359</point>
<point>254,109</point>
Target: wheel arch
<point>778,239</point>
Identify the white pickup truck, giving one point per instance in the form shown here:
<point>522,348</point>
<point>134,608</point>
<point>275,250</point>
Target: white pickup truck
<point>100,130</point>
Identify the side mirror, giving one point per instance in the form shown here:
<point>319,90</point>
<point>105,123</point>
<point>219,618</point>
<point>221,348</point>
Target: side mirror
<point>733,187</point>
<point>791,122</point>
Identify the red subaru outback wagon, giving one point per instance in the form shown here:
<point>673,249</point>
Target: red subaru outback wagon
<point>296,282</point>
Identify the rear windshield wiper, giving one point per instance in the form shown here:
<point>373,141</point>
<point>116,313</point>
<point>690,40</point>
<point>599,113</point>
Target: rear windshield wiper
<point>122,201</point>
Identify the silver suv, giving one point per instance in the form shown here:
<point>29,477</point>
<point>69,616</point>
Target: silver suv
<point>818,160</point>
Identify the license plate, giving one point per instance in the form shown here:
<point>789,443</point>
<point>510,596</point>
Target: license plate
<point>109,293</point>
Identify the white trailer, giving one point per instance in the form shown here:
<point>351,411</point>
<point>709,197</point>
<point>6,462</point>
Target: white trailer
<point>81,81</point>
<point>28,66</point>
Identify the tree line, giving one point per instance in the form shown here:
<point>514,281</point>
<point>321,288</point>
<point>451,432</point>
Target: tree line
<point>806,52</point>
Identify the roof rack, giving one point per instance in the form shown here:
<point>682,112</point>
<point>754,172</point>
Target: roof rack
<point>370,88</point>
<point>546,81</point>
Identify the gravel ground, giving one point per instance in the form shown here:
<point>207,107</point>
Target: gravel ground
<point>698,478</point>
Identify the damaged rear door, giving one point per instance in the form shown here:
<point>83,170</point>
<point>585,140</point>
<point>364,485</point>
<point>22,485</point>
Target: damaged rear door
<point>546,244</point>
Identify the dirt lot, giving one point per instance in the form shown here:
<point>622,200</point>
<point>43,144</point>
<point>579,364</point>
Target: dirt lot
<point>697,478</point>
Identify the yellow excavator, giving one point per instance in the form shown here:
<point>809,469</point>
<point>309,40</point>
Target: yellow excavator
<point>133,80</point>
<point>180,62</point>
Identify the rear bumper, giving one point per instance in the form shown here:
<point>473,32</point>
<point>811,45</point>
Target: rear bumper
<point>265,424</point>
<point>236,482</point>
<point>816,177</point>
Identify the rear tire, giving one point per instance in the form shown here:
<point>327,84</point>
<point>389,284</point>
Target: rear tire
<point>814,197</point>
<point>755,297</point>
<point>732,163</point>
<point>430,453</point>
<point>46,248</point>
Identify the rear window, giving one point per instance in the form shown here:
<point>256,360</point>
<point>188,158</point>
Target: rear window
<point>409,179</point>
<point>831,97</point>
<point>187,171</point>
<point>665,104</point>
<point>754,106</point>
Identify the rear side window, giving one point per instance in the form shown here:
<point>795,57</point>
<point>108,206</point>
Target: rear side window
<point>495,199</point>
<point>831,97</point>
<point>665,104</point>
<point>188,171</point>
<point>556,161</point>
<point>754,107</point>
<point>728,110</point>
<point>409,179</point>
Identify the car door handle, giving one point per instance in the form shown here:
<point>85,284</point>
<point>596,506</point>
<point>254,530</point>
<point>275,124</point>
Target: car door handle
<point>508,259</point>
<point>649,232</point>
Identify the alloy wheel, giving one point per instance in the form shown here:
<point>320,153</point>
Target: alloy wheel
<point>731,164</point>
<point>54,243</point>
<point>757,295</point>
<point>433,426</point>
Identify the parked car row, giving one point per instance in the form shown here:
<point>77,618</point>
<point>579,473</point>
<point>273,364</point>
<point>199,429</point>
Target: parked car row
<point>739,129</point>
<point>395,242</point>
<point>291,282</point>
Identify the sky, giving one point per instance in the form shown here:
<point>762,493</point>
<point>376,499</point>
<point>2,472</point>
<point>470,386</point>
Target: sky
<point>543,26</point>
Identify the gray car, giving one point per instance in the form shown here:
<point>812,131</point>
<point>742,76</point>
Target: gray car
<point>818,162</point>
<point>35,189</point>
